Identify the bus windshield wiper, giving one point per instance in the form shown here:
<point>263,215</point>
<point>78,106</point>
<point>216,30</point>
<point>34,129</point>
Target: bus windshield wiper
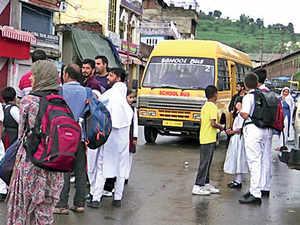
<point>169,86</point>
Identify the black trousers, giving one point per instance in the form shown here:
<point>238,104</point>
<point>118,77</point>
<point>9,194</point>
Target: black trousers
<point>206,156</point>
<point>80,181</point>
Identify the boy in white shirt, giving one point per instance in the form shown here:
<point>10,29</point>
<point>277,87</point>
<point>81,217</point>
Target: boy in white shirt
<point>254,142</point>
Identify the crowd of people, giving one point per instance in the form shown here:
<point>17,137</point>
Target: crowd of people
<point>34,193</point>
<point>250,146</point>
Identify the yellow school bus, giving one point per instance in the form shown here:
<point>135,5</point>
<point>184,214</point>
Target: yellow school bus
<point>171,93</point>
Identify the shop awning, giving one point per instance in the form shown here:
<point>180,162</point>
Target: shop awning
<point>90,44</point>
<point>15,43</point>
<point>130,59</point>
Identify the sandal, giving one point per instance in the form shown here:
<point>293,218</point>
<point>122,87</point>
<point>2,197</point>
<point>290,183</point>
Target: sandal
<point>61,211</point>
<point>77,209</point>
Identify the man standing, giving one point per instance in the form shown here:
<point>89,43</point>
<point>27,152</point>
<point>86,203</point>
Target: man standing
<point>113,157</point>
<point>88,70</point>
<point>101,67</point>
<point>25,83</point>
<point>265,180</point>
<point>75,96</point>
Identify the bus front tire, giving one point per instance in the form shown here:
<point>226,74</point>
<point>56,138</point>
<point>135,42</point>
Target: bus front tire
<point>150,134</point>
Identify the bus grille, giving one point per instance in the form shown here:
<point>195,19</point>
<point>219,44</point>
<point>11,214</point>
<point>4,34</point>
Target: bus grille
<point>172,114</point>
<point>171,103</point>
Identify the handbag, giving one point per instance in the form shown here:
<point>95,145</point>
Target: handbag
<point>8,161</point>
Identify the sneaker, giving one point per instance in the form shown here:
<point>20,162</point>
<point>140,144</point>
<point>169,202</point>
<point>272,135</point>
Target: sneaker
<point>200,190</point>
<point>107,194</point>
<point>212,189</point>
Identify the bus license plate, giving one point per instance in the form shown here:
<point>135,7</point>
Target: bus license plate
<point>170,123</point>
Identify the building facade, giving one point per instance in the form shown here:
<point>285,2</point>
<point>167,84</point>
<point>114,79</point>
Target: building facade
<point>185,19</point>
<point>120,22</point>
<point>26,23</point>
<point>285,66</point>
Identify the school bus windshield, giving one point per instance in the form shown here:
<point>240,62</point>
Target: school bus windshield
<point>180,72</point>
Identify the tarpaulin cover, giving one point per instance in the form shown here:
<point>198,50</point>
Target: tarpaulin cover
<point>90,44</point>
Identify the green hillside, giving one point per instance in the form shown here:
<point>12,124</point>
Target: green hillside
<point>247,34</point>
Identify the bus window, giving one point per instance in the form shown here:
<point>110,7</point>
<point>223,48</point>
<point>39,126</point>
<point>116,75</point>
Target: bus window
<point>179,72</point>
<point>223,75</point>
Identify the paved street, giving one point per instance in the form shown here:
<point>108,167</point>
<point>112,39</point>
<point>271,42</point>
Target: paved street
<point>159,193</point>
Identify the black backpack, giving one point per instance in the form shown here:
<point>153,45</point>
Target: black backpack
<point>268,111</point>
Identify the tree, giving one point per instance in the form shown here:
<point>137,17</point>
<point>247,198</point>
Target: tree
<point>217,13</point>
<point>290,28</point>
<point>260,23</point>
<point>244,19</point>
<point>210,13</point>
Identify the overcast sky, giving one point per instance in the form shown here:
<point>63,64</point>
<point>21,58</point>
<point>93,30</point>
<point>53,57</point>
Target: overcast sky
<point>271,12</point>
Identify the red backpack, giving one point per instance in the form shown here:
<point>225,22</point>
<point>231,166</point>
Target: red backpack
<point>53,141</point>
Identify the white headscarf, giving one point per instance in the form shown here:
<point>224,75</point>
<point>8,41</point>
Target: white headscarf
<point>289,99</point>
<point>116,103</point>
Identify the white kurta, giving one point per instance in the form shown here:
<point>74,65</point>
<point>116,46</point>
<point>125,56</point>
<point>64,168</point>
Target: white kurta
<point>236,161</point>
<point>113,157</point>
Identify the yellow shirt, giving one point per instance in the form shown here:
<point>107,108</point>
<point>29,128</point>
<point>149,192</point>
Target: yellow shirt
<point>208,134</point>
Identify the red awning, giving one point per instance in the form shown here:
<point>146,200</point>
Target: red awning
<point>15,43</point>
<point>18,35</point>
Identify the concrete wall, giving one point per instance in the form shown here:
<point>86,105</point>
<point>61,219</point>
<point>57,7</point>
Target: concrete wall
<point>85,10</point>
<point>182,17</point>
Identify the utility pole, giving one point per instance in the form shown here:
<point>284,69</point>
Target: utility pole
<point>261,47</point>
<point>281,50</point>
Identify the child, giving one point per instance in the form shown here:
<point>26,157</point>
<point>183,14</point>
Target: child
<point>254,142</point>
<point>235,162</point>
<point>133,135</point>
<point>208,139</point>
<point>11,117</point>
<point>3,187</point>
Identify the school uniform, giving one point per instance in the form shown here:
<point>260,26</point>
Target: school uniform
<point>236,161</point>
<point>3,186</point>
<point>254,145</point>
<point>112,159</point>
<point>10,124</point>
<point>265,182</point>
<point>133,135</point>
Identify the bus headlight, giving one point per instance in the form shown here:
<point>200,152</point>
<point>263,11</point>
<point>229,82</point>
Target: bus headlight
<point>143,113</point>
<point>152,113</point>
<point>196,116</point>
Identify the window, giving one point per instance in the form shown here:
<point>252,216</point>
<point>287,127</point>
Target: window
<point>112,15</point>
<point>36,19</point>
<point>122,30</point>
<point>223,75</point>
<point>180,72</point>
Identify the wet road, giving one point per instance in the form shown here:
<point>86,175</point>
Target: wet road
<point>159,193</point>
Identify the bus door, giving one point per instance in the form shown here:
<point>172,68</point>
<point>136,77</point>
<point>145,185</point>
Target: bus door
<point>232,72</point>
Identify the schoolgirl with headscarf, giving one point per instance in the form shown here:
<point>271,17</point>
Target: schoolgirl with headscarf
<point>288,106</point>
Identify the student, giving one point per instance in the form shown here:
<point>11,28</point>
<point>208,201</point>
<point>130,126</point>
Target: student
<point>236,162</point>
<point>113,157</point>
<point>34,191</point>
<point>208,139</point>
<point>240,88</point>
<point>254,142</point>
<point>288,106</point>
<point>11,117</point>
<point>3,186</point>
<point>133,133</point>
<point>265,181</point>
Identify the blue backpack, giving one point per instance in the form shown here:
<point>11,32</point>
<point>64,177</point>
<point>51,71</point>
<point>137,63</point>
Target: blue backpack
<point>97,124</point>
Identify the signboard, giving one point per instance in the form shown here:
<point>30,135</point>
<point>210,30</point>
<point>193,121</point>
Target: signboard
<point>127,46</point>
<point>46,38</point>
<point>54,5</point>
